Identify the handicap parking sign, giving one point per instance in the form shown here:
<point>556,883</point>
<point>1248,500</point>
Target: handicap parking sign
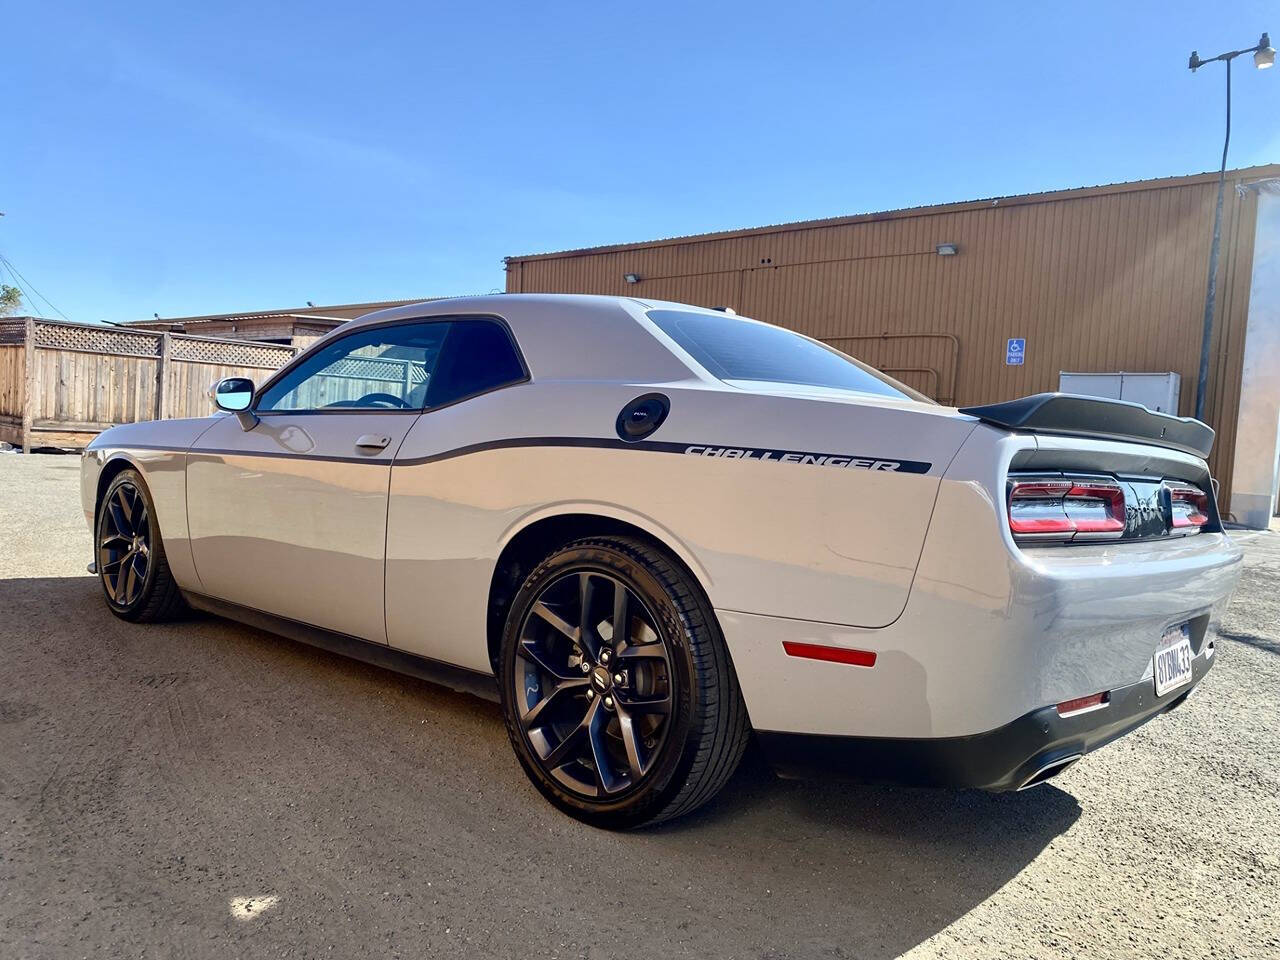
<point>1016,351</point>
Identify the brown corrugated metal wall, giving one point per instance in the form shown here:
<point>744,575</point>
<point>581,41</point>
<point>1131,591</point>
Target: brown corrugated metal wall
<point>1100,279</point>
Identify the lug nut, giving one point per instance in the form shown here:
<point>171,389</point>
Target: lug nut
<point>591,694</point>
<point>617,678</point>
<point>608,701</point>
<point>586,667</point>
<point>604,656</point>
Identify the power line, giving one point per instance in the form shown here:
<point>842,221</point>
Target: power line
<point>17,284</point>
<point>27,285</point>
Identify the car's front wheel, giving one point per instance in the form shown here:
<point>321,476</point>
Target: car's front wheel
<point>618,692</point>
<point>130,554</point>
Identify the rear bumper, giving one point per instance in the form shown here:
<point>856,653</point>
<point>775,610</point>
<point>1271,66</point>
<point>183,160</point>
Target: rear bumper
<point>1021,753</point>
<point>983,643</point>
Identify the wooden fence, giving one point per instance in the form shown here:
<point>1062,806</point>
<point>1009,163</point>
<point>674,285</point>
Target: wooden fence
<point>356,376</point>
<point>61,384</point>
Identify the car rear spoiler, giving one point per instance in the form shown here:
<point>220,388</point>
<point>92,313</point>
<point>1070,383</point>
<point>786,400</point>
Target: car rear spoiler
<point>1078,416</point>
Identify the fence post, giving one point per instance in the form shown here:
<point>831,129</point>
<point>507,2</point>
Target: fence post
<point>29,396</point>
<point>162,376</point>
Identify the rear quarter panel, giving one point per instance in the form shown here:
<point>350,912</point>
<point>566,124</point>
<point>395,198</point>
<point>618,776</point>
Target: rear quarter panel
<point>790,539</point>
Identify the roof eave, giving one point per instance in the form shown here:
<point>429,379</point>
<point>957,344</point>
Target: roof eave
<point>1265,170</point>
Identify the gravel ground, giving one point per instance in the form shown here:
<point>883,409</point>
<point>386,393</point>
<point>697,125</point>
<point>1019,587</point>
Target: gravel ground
<point>202,789</point>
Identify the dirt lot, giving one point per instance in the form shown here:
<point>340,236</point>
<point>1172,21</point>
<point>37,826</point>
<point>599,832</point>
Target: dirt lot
<point>205,790</point>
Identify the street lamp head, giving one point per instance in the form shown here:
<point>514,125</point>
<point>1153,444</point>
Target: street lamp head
<point>1264,56</point>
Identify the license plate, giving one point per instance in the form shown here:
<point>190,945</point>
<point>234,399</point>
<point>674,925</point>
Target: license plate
<point>1173,659</point>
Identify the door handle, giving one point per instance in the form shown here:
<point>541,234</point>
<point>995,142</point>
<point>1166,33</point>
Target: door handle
<point>373,441</point>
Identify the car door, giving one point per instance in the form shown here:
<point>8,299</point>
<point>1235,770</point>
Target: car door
<point>289,517</point>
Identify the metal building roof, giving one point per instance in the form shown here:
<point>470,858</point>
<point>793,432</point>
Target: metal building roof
<point>1267,170</point>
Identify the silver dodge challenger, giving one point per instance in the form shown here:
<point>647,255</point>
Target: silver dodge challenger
<point>653,531</point>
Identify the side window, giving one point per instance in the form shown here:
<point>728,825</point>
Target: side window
<point>385,368</point>
<point>478,356</point>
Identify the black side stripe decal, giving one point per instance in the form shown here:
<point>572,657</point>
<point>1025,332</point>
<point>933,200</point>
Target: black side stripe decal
<point>759,454</point>
<point>745,454</point>
<point>603,443</point>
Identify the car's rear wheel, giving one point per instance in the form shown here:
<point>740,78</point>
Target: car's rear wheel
<point>618,692</point>
<point>130,556</point>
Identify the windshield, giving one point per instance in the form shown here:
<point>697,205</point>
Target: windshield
<point>734,348</point>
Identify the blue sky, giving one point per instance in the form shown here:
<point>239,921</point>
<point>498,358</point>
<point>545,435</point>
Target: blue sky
<point>244,156</point>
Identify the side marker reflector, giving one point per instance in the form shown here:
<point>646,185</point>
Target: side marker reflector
<point>816,651</point>
<point>1071,708</point>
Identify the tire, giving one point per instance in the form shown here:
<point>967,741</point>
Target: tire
<point>619,728</point>
<point>132,568</point>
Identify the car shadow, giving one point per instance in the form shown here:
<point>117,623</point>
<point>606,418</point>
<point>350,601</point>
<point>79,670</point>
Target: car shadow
<point>288,744</point>
<point>1251,640</point>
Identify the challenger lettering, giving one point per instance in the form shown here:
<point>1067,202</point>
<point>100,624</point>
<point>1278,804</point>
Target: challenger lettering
<point>796,456</point>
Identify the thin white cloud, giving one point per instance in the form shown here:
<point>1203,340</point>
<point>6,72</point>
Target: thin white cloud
<point>238,117</point>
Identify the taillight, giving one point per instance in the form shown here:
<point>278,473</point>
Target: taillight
<point>1189,506</point>
<point>1066,509</point>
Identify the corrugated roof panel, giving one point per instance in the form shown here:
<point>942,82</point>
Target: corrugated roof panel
<point>924,210</point>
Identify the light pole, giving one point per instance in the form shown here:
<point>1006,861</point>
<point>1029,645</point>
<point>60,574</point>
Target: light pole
<point>1263,57</point>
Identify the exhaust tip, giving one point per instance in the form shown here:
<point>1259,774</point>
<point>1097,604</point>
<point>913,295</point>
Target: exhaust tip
<point>1049,771</point>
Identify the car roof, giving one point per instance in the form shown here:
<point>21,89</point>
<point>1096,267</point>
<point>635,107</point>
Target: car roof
<point>566,336</point>
<point>502,303</point>
<point>589,337</point>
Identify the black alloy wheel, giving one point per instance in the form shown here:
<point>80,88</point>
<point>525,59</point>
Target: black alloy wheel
<point>130,555</point>
<point>594,684</point>
<point>124,544</point>
<point>617,689</point>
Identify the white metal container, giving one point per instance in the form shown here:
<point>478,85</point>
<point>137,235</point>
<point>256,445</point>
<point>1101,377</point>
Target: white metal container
<point>1155,391</point>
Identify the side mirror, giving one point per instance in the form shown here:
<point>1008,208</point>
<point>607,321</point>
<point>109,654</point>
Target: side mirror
<point>235,395</point>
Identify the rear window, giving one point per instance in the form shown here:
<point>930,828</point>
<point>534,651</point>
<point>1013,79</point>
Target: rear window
<point>732,348</point>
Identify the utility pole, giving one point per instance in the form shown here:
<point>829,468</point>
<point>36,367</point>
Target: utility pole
<point>1263,57</point>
